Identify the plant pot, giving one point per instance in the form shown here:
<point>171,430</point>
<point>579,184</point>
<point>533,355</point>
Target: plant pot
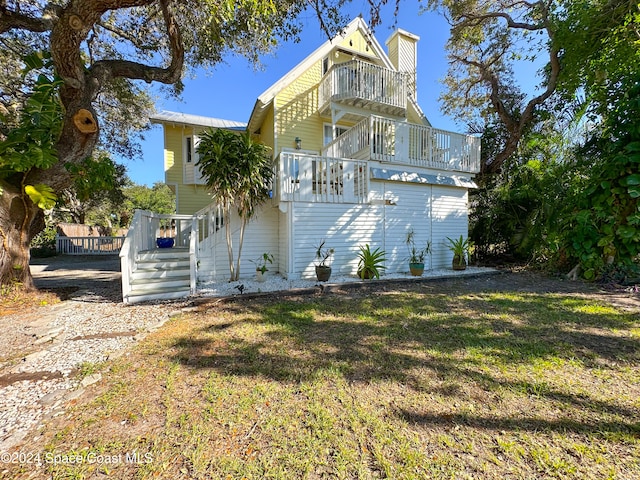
<point>261,276</point>
<point>416,269</point>
<point>323,273</point>
<point>164,242</point>
<point>459,263</point>
<point>365,274</point>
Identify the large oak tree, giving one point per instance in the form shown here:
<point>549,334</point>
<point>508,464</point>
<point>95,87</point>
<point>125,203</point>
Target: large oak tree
<point>97,46</point>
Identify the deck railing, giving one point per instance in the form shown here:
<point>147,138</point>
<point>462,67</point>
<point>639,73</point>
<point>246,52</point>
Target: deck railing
<point>364,81</point>
<point>93,245</point>
<point>313,178</point>
<point>385,140</point>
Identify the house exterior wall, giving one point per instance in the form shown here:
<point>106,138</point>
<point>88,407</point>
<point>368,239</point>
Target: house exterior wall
<point>189,198</point>
<point>449,219</point>
<point>296,112</point>
<point>433,212</point>
<point>296,105</point>
<point>261,235</point>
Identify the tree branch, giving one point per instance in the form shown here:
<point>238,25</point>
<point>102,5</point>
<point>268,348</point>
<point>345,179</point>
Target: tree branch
<point>14,20</point>
<point>104,70</point>
<point>475,20</point>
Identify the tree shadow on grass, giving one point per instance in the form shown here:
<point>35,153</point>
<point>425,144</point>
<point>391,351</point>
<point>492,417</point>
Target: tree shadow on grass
<point>422,341</point>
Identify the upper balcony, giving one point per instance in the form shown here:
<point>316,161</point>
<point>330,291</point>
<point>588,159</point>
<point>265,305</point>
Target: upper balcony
<point>385,140</point>
<point>363,85</point>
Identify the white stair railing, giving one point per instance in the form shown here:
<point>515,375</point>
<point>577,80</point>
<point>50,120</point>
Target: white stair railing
<point>145,228</point>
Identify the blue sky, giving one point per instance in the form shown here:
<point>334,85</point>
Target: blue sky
<point>230,90</point>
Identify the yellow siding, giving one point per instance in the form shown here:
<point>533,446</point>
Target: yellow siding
<point>357,42</point>
<point>297,112</point>
<point>267,129</point>
<point>189,198</point>
<point>412,114</point>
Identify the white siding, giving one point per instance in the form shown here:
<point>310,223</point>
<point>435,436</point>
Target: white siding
<point>261,235</point>
<point>408,206</point>
<point>292,232</point>
<point>344,227</point>
<point>449,219</point>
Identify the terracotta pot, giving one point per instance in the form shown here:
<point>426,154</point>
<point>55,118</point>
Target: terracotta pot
<point>323,273</point>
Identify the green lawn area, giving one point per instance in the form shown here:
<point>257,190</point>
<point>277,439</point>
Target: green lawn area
<point>442,380</point>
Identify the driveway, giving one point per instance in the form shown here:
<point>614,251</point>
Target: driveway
<point>97,274</point>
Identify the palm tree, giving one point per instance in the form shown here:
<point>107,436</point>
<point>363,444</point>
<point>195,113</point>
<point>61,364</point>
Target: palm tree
<point>238,173</point>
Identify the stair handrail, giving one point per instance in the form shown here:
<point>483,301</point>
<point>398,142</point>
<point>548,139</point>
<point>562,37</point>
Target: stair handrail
<point>129,251</point>
<point>193,254</point>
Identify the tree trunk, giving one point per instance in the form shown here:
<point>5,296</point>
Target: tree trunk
<point>227,229</point>
<point>20,221</point>
<point>240,242</point>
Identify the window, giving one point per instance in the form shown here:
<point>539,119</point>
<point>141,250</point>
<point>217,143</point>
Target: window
<point>325,65</point>
<point>328,133</point>
<point>192,173</point>
<point>188,149</point>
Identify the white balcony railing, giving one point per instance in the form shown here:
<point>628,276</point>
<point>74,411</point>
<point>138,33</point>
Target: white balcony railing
<point>313,178</point>
<point>358,80</point>
<point>385,140</point>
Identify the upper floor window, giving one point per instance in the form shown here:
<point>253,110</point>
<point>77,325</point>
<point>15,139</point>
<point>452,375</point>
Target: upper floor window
<point>188,148</point>
<point>328,133</point>
<point>325,65</point>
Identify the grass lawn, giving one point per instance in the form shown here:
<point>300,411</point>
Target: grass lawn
<point>454,379</point>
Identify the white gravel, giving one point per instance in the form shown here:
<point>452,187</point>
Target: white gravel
<point>278,283</point>
<point>64,340</point>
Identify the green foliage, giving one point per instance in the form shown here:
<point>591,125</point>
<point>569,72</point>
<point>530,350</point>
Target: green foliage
<point>416,255</point>
<point>159,198</point>
<point>238,174</point>
<point>32,143</point>
<point>604,227</point>
<point>600,45</point>
<point>460,247</point>
<point>44,244</point>
<point>41,195</point>
<point>261,263</point>
<point>237,169</point>
<point>93,175</point>
<point>323,254</point>
<point>370,263</point>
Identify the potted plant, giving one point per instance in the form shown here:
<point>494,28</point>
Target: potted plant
<point>261,266</point>
<point>460,248</point>
<point>416,255</point>
<point>323,256</point>
<point>370,263</point>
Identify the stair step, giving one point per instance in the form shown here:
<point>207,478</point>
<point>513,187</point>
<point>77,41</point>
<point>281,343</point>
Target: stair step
<point>168,264</point>
<point>157,294</point>
<point>164,254</point>
<point>151,283</point>
<point>154,273</point>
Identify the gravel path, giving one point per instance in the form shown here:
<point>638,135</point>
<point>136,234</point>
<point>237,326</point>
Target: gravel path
<point>47,354</point>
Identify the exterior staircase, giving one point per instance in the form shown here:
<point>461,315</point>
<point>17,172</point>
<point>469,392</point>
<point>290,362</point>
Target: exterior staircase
<point>160,274</point>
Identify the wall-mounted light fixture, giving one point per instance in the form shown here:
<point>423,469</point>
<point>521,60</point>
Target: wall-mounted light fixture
<point>298,143</point>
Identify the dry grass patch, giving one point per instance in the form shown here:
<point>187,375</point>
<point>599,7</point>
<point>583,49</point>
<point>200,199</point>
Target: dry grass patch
<point>444,380</point>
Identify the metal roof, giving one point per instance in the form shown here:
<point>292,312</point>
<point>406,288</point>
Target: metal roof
<point>196,120</point>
